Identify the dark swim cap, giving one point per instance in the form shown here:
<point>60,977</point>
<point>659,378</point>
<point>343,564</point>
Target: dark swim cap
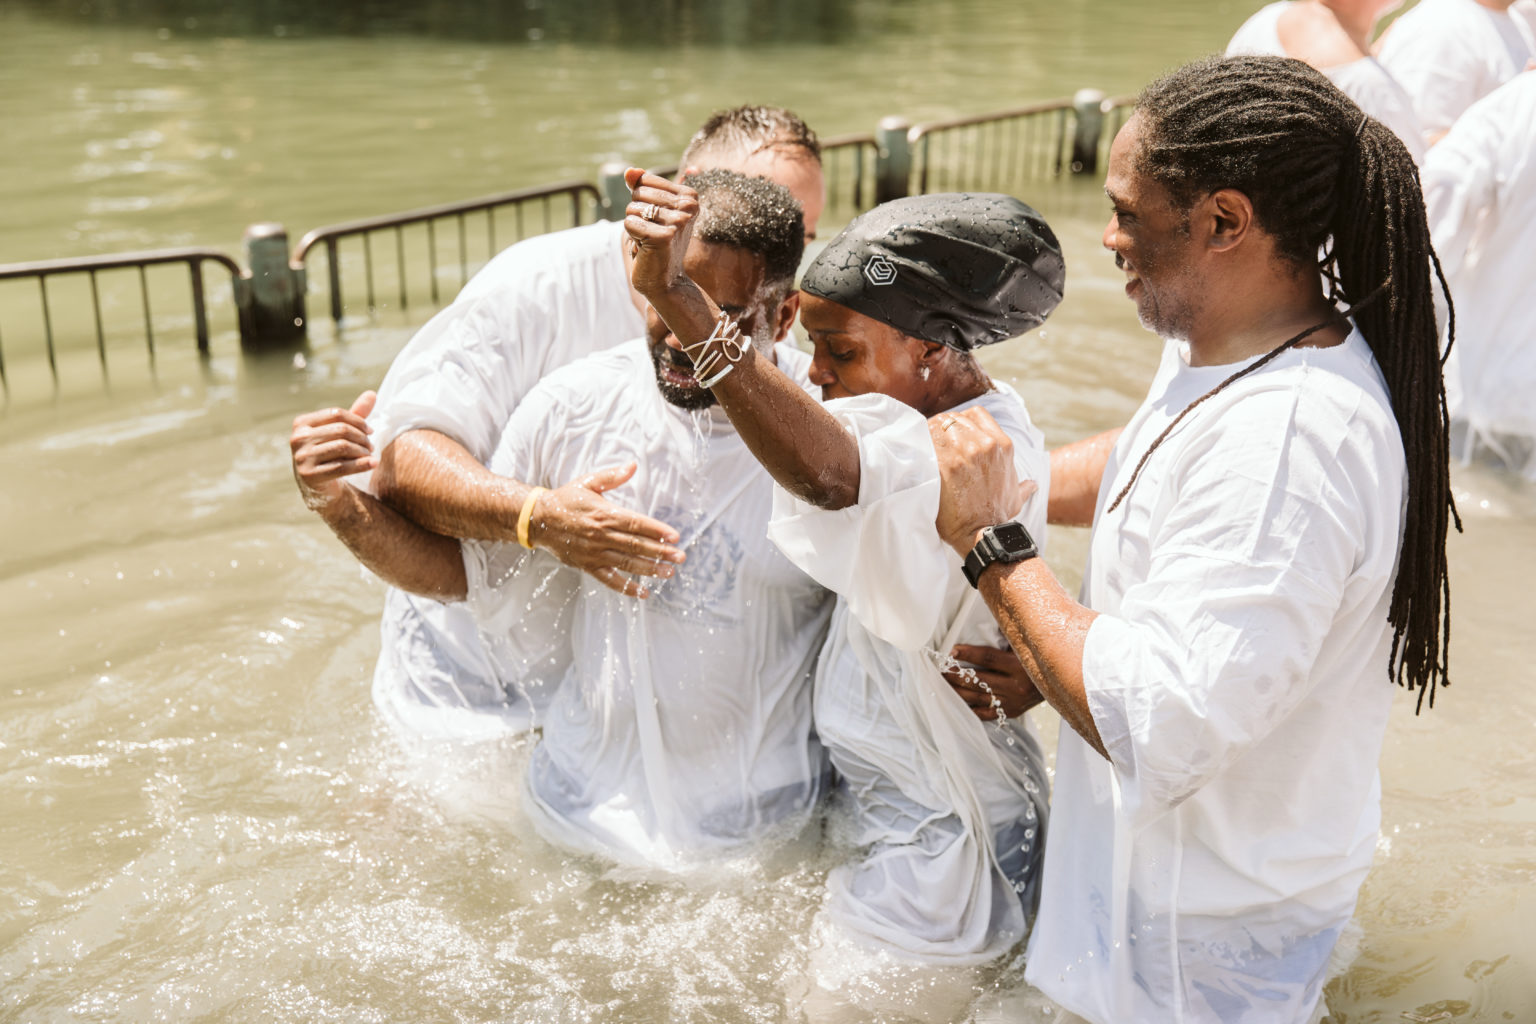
<point>962,268</point>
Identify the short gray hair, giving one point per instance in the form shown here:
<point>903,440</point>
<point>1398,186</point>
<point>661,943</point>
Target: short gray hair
<point>738,133</point>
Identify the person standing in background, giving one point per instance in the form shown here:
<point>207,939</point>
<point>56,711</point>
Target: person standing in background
<point>1448,54</point>
<point>1334,36</point>
<point>1480,194</point>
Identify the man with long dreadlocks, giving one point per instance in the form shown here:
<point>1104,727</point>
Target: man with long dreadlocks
<point>1268,545</point>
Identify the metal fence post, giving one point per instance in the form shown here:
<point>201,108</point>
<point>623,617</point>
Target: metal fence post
<point>272,307</point>
<point>610,182</point>
<point>1088,105</point>
<point>893,159</point>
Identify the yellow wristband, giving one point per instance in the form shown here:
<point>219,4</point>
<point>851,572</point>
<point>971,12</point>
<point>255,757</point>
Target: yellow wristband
<point>526,516</point>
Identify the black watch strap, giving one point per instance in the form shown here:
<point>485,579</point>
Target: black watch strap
<point>1005,542</point>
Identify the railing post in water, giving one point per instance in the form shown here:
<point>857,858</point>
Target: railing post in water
<point>893,160</point>
<point>272,303</point>
<point>610,182</point>
<point>1087,103</point>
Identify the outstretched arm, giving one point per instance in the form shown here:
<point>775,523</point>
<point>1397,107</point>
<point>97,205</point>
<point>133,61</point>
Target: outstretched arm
<point>1077,469</point>
<point>331,444</point>
<point>436,482</point>
<point>574,522</point>
<point>799,443</point>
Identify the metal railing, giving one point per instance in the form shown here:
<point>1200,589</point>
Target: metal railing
<point>580,199</point>
<point>848,165</point>
<point>992,151</point>
<point>998,151</point>
<point>92,266</point>
<point>1116,110</point>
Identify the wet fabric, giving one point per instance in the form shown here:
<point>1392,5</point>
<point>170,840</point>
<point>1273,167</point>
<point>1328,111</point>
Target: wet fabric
<point>538,305</point>
<point>1448,54</point>
<point>1365,81</point>
<point>961,269</point>
<point>1480,194</point>
<point>1237,677</point>
<point>950,811</point>
<point>682,729</point>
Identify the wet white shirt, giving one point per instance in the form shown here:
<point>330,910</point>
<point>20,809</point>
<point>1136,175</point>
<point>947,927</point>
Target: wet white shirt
<point>1237,674</point>
<point>1365,81</point>
<point>1480,193</point>
<point>539,305</point>
<point>1448,54</point>
<point>950,811</point>
<point>682,729</point>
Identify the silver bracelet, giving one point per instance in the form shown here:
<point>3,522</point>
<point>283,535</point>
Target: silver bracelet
<point>712,362</point>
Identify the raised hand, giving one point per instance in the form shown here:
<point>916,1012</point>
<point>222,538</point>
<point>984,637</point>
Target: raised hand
<point>659,220</point>
<point>328,445</point>
<point>586,531</point>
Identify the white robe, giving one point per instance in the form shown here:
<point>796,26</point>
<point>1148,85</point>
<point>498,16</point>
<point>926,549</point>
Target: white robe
<point>682,729</point>
<point>1448,54</point>
<point>1480,193</point>
<point>1365,81</point>
<point>539,305</point>
<point>1524,11</point>
<point>1237,675</point>
<point>951,810</point>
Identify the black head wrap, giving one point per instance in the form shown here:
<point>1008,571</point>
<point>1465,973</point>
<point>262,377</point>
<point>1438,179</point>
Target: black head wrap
<point>962,269</point>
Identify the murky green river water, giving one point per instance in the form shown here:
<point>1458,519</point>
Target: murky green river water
<point>203,818</point>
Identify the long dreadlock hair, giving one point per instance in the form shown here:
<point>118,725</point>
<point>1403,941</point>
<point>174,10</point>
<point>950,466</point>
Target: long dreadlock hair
<point>1325,178</point>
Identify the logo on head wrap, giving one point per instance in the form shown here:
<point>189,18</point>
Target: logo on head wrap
<point>879,271</point>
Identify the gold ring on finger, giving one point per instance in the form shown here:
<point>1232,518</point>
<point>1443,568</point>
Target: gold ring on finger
<point>650,212</point>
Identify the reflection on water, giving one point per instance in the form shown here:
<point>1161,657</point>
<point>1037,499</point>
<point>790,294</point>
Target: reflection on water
<point>203,816</point>
<point>601,22</point>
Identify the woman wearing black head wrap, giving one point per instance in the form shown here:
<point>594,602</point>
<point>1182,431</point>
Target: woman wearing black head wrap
<point>949,811</point>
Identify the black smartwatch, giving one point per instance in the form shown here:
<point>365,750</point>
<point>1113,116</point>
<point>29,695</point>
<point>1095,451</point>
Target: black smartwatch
<point>1005,542</point>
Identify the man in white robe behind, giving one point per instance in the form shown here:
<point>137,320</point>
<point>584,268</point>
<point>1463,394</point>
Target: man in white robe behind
<point>681,730</point>
<point>1335,38</point>
<point>1480,194</point>
<point>1448,54</point>
<point>537,306</point>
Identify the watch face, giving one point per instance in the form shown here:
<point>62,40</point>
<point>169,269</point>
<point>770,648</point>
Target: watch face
<point>1012,538</point>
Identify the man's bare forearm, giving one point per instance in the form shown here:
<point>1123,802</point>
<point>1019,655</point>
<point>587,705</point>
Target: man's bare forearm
<point>435,481</point>
<point>397,550</point>
<point>1077,470</point>
<point>1048,631</point>
<point>799,443</point>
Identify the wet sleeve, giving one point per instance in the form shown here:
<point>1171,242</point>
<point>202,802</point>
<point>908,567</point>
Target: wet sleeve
<point>1249,567</point>
<point>882,555</point>
<point>462,375</point>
